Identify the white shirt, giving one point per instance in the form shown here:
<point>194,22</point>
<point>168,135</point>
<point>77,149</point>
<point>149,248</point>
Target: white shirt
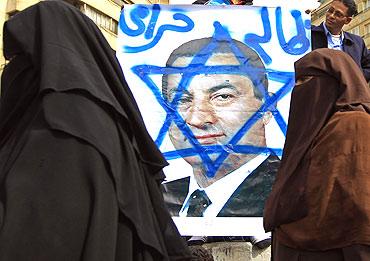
<point>334,41</point>
<point>218,192</point>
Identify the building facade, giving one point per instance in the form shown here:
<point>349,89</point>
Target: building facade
<point>105,13</point>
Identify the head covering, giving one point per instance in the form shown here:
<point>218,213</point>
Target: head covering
<point>332,82</point>
<point>76,59</point>
<point>62,67</point>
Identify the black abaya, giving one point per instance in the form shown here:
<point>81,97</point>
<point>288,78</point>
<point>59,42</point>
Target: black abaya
<point>79,173</point>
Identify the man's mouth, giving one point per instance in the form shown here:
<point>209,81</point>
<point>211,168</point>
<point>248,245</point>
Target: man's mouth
<point>328,21</point>
<point>208,138</point>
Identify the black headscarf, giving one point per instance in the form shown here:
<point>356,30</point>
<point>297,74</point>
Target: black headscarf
<point>61,67</point>
<point>76,58</point>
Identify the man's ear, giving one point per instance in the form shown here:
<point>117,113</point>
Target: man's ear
<point>266,117</point>
<point>268,114</point>
<point>348,20</point>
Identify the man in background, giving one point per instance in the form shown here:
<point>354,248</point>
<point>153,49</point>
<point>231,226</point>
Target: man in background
<point>330,34</point>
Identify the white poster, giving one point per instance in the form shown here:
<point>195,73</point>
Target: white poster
<point>213,84</point>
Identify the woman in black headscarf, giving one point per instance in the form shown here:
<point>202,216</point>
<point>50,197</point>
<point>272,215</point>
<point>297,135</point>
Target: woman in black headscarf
<point>79,173</point>
<point>319,205</point>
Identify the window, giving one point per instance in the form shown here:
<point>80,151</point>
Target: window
<point>367,4</point>
<point>120,2</point>
<point>101,19</point>
<point>355,30</point>
<point>367,29</point>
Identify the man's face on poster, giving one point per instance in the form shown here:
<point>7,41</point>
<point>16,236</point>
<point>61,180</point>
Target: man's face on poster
<point>215,107</point>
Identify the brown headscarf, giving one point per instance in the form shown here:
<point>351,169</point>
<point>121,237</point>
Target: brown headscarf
<point>337,84</point>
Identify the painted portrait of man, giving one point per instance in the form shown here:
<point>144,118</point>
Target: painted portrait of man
<point>221,109</point>
<point>215,98</point>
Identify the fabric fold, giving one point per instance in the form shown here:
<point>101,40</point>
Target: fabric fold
<point>69,88</point>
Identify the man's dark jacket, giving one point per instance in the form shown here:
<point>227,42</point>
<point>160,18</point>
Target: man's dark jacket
<point>353,45</point>
<point>248,199</point>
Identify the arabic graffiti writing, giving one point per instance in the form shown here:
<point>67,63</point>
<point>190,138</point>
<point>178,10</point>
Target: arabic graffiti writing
<point>139,14</point>
<point>297,45</point>
<point>144,22</point>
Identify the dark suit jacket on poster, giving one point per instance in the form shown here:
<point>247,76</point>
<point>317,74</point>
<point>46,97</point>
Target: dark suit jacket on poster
<point>353,45</point>
<point>247,201</point>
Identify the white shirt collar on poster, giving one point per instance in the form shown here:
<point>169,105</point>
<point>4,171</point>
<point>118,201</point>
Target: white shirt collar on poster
<point>233,180</point>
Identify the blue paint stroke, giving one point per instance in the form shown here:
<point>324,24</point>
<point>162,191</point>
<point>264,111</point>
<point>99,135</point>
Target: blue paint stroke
<point>197,66</point>
<point>246,149</point>
<point>172,114</point>
<point>298,44</point>
<point>270,101</point>
<point>307,24</point>
<point>141,12</point>
<point>136,15</point>
<point>255,41</point>
<point>153,21</point>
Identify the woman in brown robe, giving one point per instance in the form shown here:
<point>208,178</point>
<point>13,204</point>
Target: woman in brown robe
<point>79,174</point>
<point>319,207</point>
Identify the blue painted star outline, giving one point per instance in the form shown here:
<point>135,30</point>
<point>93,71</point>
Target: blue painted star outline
<point>197,66</point>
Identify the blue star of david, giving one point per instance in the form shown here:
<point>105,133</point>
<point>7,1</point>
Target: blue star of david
<point>198,66</point>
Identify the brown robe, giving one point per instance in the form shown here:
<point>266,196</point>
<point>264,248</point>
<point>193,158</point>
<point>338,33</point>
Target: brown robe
<point>320,198</point>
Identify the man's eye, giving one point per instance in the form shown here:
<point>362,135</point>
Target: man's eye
<point>184,100</point>
<point>223,97</point>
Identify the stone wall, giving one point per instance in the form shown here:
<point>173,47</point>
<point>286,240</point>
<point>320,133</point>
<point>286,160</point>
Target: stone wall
<point>237,251</point>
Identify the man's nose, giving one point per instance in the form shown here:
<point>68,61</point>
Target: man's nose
<point>201,115</point>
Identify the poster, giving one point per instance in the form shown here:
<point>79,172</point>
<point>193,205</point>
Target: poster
<point>213,84</point>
